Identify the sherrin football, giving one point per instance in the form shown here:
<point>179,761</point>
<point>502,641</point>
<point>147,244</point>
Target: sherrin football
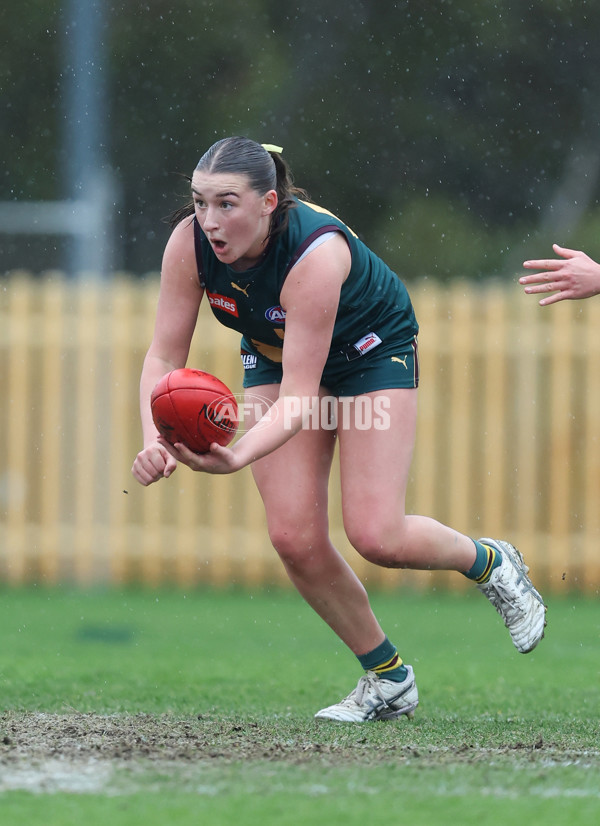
<point>195,408</point>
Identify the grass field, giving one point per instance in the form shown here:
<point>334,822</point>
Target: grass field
<point>143,707</point>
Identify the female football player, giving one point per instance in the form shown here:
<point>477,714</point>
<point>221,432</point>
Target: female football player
<point>321,316</point>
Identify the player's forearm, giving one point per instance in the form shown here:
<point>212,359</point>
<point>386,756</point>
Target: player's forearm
<point>154,369</point>
<point>281,422</point>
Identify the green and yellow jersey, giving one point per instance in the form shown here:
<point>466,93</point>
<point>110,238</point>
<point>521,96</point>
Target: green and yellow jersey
<point>373,299</point>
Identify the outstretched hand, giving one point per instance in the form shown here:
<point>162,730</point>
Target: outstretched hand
<point>218,460</point>
<point>575,275</point>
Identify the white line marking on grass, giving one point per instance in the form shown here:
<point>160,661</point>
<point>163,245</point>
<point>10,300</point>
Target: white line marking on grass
<point>55,775</point>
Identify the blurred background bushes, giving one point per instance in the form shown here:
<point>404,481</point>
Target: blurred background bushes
<point>457,137</point>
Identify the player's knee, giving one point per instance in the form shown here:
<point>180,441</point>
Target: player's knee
<point>379,545</point>
<point>296,545</point>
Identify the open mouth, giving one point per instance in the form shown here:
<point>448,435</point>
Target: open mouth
<point>218,246</point>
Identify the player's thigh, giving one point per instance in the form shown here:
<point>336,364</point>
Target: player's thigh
<point>376,450</point>
<point>293,480</point>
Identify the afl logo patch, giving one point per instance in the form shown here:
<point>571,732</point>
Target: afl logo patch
<point>275,314</point>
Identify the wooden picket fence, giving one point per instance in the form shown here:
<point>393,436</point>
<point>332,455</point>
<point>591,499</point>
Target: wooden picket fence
<point>508,441</point>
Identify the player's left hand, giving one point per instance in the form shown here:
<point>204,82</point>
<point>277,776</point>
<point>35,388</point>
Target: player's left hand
<point>218,460</point>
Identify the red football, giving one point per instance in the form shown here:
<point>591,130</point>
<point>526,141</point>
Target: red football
<point>194,408</point>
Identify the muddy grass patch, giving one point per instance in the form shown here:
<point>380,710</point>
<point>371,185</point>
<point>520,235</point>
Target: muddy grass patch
<point>73,736</point>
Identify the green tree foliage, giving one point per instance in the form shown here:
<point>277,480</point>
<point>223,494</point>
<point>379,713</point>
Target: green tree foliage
<point>446,133</point>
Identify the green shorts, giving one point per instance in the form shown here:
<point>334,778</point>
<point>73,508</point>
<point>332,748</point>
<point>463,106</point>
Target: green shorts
<point>387,366</point>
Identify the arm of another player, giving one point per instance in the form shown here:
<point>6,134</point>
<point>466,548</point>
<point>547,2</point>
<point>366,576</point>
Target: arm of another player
<point>176,316</point>
<point>310,297</point>
<point>575,275</point>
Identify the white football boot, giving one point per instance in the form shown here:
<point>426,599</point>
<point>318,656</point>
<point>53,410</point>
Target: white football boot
<point>375,699</point>
<point>512,594</point>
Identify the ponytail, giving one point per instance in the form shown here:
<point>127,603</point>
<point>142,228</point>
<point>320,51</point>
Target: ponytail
<point>286,192</point>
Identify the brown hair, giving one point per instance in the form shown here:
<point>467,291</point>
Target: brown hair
<point>265,170</point>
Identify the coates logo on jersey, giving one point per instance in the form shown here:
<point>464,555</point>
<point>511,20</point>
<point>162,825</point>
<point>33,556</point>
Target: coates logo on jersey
<point>222,302</point>
<point>276,314</point>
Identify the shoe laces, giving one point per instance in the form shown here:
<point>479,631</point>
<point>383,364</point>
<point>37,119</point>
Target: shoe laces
<point>507,597</point>
<point>367,686</point>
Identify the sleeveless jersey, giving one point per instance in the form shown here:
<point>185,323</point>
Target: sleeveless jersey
<point>372,300</point>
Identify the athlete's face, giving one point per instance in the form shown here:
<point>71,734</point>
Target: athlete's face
<point>233,216</point>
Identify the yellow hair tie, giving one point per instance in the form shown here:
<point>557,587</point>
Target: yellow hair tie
<point>272,148</point>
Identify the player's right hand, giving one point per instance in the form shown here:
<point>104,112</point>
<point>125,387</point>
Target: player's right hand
<point>152,463</point>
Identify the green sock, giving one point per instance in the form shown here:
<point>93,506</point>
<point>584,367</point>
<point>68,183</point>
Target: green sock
<point>385,662</point>
<point>486,560</point>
